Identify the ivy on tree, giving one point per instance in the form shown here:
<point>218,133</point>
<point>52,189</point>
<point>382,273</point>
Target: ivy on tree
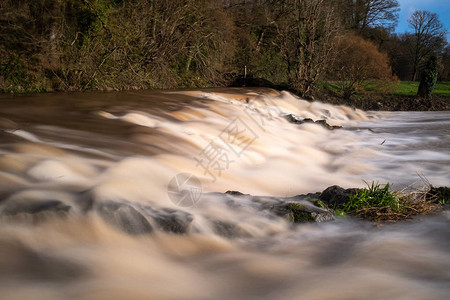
<point>429,78</point>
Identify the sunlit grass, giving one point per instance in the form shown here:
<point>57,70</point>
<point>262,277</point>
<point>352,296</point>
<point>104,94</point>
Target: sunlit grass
<point>402,88</point>
<point>409,88</point>
<point>378,203</point>
<point>374,195</point>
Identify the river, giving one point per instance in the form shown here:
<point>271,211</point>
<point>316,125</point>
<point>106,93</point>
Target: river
<point>121,195</point>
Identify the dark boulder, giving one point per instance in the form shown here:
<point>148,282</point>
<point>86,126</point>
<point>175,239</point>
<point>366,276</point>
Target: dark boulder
<point>335,195</point>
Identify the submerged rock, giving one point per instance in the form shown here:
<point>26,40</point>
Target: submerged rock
<point>124,216</point>
<point>227,229</point>
<point>293,119</point>
<point>234,193</point>
<point>35,207</point>
<point>34,211</point>
<point>169,220</point>
<point>140,219</point>
<point>297,209</point>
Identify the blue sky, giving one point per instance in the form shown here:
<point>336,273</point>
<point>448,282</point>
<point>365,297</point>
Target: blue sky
<point>407,7</point>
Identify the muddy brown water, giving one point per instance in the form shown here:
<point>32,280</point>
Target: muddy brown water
<point>85,211</point>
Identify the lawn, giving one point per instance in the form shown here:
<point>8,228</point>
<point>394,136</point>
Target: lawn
<point>403,88</point>
<point>409,88</point>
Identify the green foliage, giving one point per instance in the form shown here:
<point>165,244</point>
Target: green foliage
<point>373,196</point>
<point>379,204</point>
<point>429,78</point>
<point>319,203</point>
<point>13,69</point>
<point>117,44</point>
<point>113,44</point>
<point>15,76</point>
<point>269,64</point>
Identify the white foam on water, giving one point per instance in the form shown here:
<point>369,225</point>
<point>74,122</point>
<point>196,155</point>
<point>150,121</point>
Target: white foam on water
<point>230,140</point>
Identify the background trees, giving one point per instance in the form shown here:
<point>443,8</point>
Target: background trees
<point>305,32</point>
<point>98,44</point>
<point>118,44</point>
<point>360,15</point>
<point>429,36</point>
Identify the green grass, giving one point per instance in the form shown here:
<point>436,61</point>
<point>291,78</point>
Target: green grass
<point>409,88</point>
<point>403,88</point>
<point>379,204</point>
<point>374,196</point>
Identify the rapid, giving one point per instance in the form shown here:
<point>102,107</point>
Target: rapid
<point>90,206</point>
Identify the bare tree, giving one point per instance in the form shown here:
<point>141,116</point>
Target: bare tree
<point>444,71</point>
<point>361,14</point>
<point>428,37</point>
<point>305,31</point>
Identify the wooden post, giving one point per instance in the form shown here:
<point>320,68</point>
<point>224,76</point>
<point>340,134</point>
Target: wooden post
<point>245,75</point>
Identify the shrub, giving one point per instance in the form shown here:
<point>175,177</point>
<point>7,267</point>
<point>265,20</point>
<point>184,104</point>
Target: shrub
<point>358,60</point>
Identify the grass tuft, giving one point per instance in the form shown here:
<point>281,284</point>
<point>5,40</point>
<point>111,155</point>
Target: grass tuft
<point>373,196</point>
<point>379,204</point>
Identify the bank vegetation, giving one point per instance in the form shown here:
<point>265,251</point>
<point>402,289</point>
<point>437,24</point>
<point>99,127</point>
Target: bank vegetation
<point>72,45</point>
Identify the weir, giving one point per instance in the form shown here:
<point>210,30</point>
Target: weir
<point>122,195</point>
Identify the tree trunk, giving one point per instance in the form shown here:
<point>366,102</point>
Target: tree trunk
<point>428,79</point>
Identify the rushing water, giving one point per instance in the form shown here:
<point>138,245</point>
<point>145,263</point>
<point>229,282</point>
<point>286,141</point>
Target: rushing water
<point>77,171</point>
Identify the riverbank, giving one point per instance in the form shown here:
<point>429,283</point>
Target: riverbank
<point>390,102</point>
<point>369,101</point>
<point>394,96</point>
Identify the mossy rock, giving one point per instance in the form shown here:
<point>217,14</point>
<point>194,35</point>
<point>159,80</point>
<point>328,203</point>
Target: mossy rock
<point>298,214</point>
<point>301,212</point>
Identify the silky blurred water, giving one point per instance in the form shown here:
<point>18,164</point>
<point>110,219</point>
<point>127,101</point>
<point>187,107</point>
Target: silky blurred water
<point>68,160</point>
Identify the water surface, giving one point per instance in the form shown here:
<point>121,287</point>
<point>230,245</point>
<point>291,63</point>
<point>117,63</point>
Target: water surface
<point>75,166</point>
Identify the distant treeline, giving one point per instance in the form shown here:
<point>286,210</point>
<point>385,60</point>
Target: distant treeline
<point>67,45</point>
